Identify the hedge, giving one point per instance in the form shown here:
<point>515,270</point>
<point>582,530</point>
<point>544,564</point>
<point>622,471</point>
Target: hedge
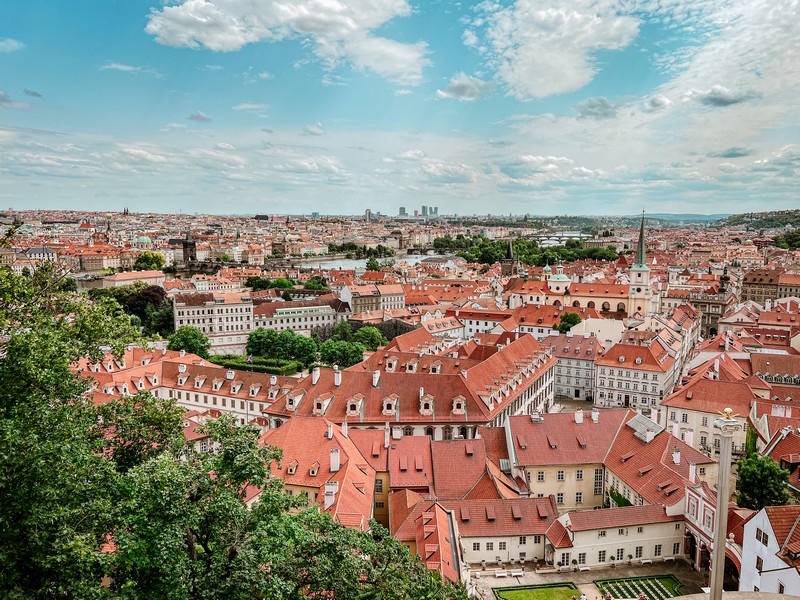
<point>273,366</point>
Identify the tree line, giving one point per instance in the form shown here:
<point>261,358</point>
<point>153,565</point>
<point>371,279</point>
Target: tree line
<point>480,249</point>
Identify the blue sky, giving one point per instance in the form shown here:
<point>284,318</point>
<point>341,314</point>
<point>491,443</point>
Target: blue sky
<point>534,106</point>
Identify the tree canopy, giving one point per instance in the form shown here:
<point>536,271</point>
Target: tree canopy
<point>480,249</point>
<point>113,492</point>
<point>761,482</point>
<point>190,339</point>
<point>370,338</point>
<point>286,345</point>
<point>344,354</point>
<point>567,321</point>
<point>149,261</point>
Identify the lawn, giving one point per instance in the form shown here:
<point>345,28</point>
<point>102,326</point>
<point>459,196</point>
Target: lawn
<point>546,591</point>
<point>655,588</point>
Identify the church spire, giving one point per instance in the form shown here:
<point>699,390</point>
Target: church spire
<point>641,262</point>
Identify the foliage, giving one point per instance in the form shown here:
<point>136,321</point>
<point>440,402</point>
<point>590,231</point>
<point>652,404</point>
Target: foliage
<point>149,303</point>
<point>190,339</point>
<point>264,283</point>
<point>564,590</point>
<point>751,442</point>
<point>763,220</point>
<point>344,354</point>
<point>567,321</point>
<point>68,284</point>
<point>352,250</point>
<point>789,240</point>
<point>273,366</point>
<point>286,345</point>
<point>671,583</point>
<point>149,261</point>
<point>112,491</point>
<point>317,282</point>
<point>369,337</point>
<point>761,482</point>
<point>373,264</point>
<point>618,498</point>
<point>482,250</point>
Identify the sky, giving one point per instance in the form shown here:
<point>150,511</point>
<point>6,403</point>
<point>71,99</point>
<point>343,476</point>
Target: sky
<point>537,107</point>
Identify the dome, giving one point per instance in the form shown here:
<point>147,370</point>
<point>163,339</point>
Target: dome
<point>547,269</point>
<point>142,239</point>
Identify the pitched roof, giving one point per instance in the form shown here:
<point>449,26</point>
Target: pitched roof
<point>627,516</point>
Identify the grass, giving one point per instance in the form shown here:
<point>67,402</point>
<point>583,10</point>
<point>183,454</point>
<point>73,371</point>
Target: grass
<point>547,591</point>
<point>670,582</point>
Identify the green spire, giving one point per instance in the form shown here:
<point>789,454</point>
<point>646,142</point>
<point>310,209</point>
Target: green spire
<point>641,262</point>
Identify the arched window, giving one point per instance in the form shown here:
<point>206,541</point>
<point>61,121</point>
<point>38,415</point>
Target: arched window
<point>576,304</point>
<point>606,307</point>
<point>462,432</point>
<point>447,433</point>
<point>429,432</point>
<point>557,303</point>
<point>591,304</point>
<point>408,431</point>
<point>621,307</point>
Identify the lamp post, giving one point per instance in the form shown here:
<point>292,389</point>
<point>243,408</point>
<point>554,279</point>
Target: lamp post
<point>727,425</point>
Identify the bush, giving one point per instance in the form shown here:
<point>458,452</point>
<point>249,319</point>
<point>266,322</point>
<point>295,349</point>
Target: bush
<point>273,366</point>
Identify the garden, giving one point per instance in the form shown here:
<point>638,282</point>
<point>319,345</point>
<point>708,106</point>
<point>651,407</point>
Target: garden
<point>658,587</point>
<point>547,591</point>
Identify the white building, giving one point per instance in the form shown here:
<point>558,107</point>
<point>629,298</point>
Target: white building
<point>575,370</point>
<point>301,316</point>
<point>771,551</point>
<point>225,318</point>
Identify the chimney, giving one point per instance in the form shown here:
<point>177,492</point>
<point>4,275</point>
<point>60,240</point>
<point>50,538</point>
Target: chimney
<point>273,380</point>
<point>163,351</point>
<point>676,456</point>
<point>654,415</point>
<point>421,392</point>
<point>579,417</point>
<point>716,368</point>
<point>344,428</point>
<point>376,377</point>
<point>314,375</point>
<point>692,473</point>
<point>329,433</point>
<point>331,487</point>
<point>337,376</point>
<point>386,436</point>
<point>183,352</point>
<point>676,430</point>
<point>334,460</point>
<point>689,438</point>
<point>649,436</point>
<point>595,415</point>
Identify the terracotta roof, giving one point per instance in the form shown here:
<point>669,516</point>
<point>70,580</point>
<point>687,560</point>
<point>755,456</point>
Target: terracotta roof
<point>628,516</point>
<point>559,536</point>
<point>503,517</point>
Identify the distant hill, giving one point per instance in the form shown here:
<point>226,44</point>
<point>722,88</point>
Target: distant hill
<point>686,217</point>
<point>762,220</point>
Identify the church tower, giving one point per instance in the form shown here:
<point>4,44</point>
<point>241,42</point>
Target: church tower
<point>640,295</point>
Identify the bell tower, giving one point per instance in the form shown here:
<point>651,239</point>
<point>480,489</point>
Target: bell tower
<point>640,294</point>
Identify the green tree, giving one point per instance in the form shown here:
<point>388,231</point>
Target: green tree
<point>370,338</point>
<point>317,282</point>
<point>68,284</point>
<point>190,339</point>
<point>342,332</point>
<point>761,482</point>
<point>373,264</point>
<point>344,354</point>
<point>149,261</point>
<point>305,350</point>
<point>261,342</point>
<point>282,283</point>
<point>567,321</point>
<point>257,283</point>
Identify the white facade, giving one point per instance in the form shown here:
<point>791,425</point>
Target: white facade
<point>496,549</point>
<point>762,569</point>
<point>224,320</point>
<point>627,386</point>
<point>301,319</point>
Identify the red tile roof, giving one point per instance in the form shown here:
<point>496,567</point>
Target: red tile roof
<point>628,516</point>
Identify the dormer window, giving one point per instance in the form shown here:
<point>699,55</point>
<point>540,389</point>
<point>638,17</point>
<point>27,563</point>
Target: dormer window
<point>426,405</point>
<point>291,469</point>
<point>254,389</point>
<point>411,367</point>
<point>458,405</point>
<point>314,469</point>
<point>389,406</point>
<point>140,385</point>
<point>199,381</point>
<point>436,368</point>
<point>217,385</point>
<point>391,364</point>
<point>182,379</point>
<point>638,360</point>
<point>273,393</point>
<point>622,358</point>
<point>235,387</point>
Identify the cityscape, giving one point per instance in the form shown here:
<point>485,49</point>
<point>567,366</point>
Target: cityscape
<point>400,300</point>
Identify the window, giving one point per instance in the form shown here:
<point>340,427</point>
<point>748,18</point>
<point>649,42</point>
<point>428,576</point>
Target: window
<point>601,556</point>
<point>601,533</point>
<point>565,558</point>
<point>476,546</point>
<point>501,545</point>
<point>703,441</point>
<point>379,505</point>
<point>560,498</point>
<point>637,553</point>
<point>379,486</point>
<point>704,421</point>
<point>759,564</point>
<point>701,471</point>
<point>581,558</point>
<point>676,548</point>
<point>764,538</point>
<point>672,416</point>
<point>639,529</point>
<point>561,475</point>
<point>522,540</point>
<point>579,498</point>
<point>540,476</point>
<point>657,550</point>
<point>621,531</point>
<point>490,545</point>
<point>677,526</point>
<point>781,588</point>
<point>537,539</point>
<point>598,481</point>
<point>579,474</point>
<point>620,553</point>
<point>685,418</point>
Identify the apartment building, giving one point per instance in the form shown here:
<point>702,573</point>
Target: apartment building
<point>301,316</point>
<point>225,318</point>
<point>575,369</point>
<point>634,375</point>
<point>770,557</point>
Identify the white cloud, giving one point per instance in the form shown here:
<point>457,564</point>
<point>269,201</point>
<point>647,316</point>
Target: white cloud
<point>10,45</point>
<point>465,87</point>
<point>544,48</point>
<point>721,96</point>
<point>142,155</point>
<point>313,129</point>
<point>530,166</point>
<point>443,173</point>
<point>225,146</point>
<point>403,92</point>
<point>598,107</point>
<point>251,106</point>
<point>341,31</point>
<point>115,66</point>
<point>656,103</point>
<point>199,116</point>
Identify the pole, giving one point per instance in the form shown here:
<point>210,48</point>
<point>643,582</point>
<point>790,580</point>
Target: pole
<point>727,425</point>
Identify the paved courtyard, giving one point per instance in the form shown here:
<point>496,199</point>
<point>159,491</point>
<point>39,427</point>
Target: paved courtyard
<point>692,580</point>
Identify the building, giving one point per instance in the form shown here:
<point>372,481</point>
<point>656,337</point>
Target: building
<point>127,278</point>
<point>225,318</point>
<point>575,369</point>
<point>771,551</point>
<point>760,285</point>
<point>301,316</point>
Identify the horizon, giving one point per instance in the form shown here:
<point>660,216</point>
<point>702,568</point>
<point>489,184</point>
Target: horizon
<point>574,107</point>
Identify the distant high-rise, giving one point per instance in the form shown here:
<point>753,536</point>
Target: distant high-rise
<point>368,216</point>
<point>403,211</point>
<point>424,211</point>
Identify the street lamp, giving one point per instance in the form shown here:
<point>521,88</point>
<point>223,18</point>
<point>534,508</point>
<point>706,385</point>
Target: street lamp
<point>727,426</point>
